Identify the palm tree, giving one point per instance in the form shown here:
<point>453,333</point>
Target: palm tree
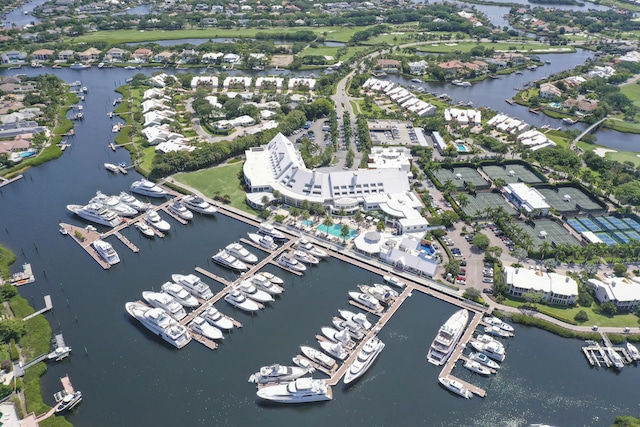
<point>327,222</point>
<point>342,213</point>
<point>344,232</point>
<point>358,218</point>
<point>448,187</point>
<point>544,248</point>
<point>463,200</point>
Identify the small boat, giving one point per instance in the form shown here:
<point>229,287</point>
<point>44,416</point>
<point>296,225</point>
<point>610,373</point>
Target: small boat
<point>509,101</point>
<point>68,402</point>
<point>303,363</point>
<point>78,66</point>
<point>484,338</point>
<point>568,121</point>
<point>59,353</point>
<point>265,242</point>
<point>277,374</point>
<point>198,204</point>
<point>180,294</point>
<point>130,67</point>
<point>115,128</point>
<point>496,331</point>
<point>299,391</point>
<point>144,229</point>
<point>355,330</point>
<point>272,278</point>
<point>177,208</point>
<point>343,337</point>
<point>240,252</point>
<point>112,168</point>
<point>305,257</point>
<point>461,83</point>
<point>455,387</point>
<point>253,292</point>
<point>156,221</point>
<point>370,351</point>
<point>291,263</point>
<point>261,282</point>
<point>496,352</point>
<point>476,367</point>
<point>213,316</point>
<point>359,319</point>
<point>492,320</point>
<point>484,359</point>
<point>615,358</point>
<point>204,328</point>
<point>633,351</point>
<point>63,230</point>
<point>394,281</point>
<point>334,349</point>
<point>305,245</point>
<point>318,357</point>
<point>366,300</point>
<point>518,72</point>
<point>225,259</point>
<point>239,300</point>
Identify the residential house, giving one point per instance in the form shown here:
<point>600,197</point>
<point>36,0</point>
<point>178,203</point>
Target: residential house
<point>189,56</point>
<point>142,54</point>
<point>554,288</point>
<point>587,106</point>
<point>14,57</point>
<point>164,57</point>
<point>623,292</point>
<point>548,90</point>
<point>388,65</point>
<point>418,68</point>
<point>42,55</point>
<point>209,22</point>
<point>451,68</point>
<point>91,54</point>
<point>212,57</point>
<point>66,55</point>
<point>231,58</point>
<point>116,54</point>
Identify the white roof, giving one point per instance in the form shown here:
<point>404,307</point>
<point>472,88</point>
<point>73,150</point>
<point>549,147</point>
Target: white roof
<point>537,281</point>
<point>529,196</point>
<point>619,289</point>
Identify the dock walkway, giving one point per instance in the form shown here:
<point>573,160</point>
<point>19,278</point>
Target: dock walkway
<point>5,181</point>
<point>23,277</point>
<point>48,305</point>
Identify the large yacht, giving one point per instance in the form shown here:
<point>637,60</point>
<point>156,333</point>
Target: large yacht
<point>359,318</point>
<point>393,280</point>
<point>251,291</point>
<point>277,374</point>
<point>264,242</point>
<point>305,245</point>
<point>334,349</point>
<point>318,357</point>
<point>180,294</point>
<point>155,220</point>
<point>198,204</point>
<point>343,336</point>
<point>355,330</point>
<point>194,285</point>
<point>144,228</point>
<point>106,251</point>
<point>200,326</point>
<point>268,229</point>
<point>365,359</point>
<point>131,201</point>
<point>447,337</point>
<point>299,391</point>
<point>262,283</point>
<point>160,323</point>
<point>96,213</point>
<point>291,263</point>
<point>166,302</point>
<point>225,259</point>
<point>177,208</point>
<point>366,300</point>
<point>147,188</point>
<point>305,257</point>
<point>455,387</point>
<point>113,203</point>
<point>213,316</point>
<point>379,292</point>
<point>272,278</point>
<point>240,252</point>
<point>239,300</point>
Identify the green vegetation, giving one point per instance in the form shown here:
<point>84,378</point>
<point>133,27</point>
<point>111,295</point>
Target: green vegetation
<point>466,47</point>
<point>32,393</point>
<point>6,259</point>
<point>626,421</point>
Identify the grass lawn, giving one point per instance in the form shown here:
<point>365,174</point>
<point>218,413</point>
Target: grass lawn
<point>321,51</point>
<point>441,47</point>
<point>221,180</point>
<point>622,125</point>
<point>148,153</point>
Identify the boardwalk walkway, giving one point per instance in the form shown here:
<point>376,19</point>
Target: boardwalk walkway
<point>48,305</point>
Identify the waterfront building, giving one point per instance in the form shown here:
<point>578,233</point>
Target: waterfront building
<point>526,198</point>
<point>209,81</point>
<point>623,292</point>
<point>554,288</point>
<point>418,68</point>
<point>548,90</point>
<point>299,83</point>
<point>535,140</point>
<point>401,96</point>
<point>463,117</point>
<point>42,54</point>
<point>391,158</point>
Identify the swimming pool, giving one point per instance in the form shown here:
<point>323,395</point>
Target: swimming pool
<point>307,223</point>
<point>555,105</point>
<point>335,230</point>
<point>25,154</point>
<point>462,148</point>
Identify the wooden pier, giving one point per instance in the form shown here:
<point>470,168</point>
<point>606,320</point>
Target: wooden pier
<point>126,242</point>
<point>365,308</point>
<point>174,216</point>
<point>85,238</point>
<point>23,277</point>
<point>210,344</point>
<point>5,181</point>
<point>215,277</point>
<point>66,384</point>
<point>48,305</point>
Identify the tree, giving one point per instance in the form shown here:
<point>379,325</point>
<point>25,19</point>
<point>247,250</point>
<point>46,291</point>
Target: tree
<point>499,182</point>
<point>448,218</point>
<point>585,299</point>
<point>521,254</point>
<point>294,212</point>
<point>358,218</point>
<point>581,316</point>
<point>608,308</point>
<point>481,241</point>
<point>493,253</point>
<point>472,294</point>
<point>453,267</point>
<point>327,222</point>
<point>11,329</point>
<point>381,226</point>
<point>463,200</point>
<point>619,269</point>
<point>533,297</point>
<point>550,264</point>
<point>8,291</point>
<point>344,231</point>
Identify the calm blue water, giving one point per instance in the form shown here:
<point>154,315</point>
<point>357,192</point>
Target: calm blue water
<point>336,230</point>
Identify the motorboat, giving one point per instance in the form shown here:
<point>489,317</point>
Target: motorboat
<point>225,259</point>
<point>239,300</point>
<point>193,285</point>
<point>366,300</point>
<point>200,326</point>
<point>366,356</point>
<point>416,80</point>
<point>299,391</point>
<point>113,203</point>
<point>461,83</point>
<point>334,349</point>
<point>394,281</point>
<point>476,367</point>
<point>633,351</point>
<point>272,278</point>
<point>166,302</point>
<point>355,330</point>
<point>484,359</point>
<point>305,257</point>
<point>360,318</point>
<point>115,128</point>
<point>68,402</point>
<point>305,245</point>
<point>240,252</point>
<point>494,351</point>
<point>213,316</point>
<point>303,362</point>
<point>318,357</point>
<point>341,336</point>
<point>262,283</point>
<point>63,230</point>
<point>160,323</point>
<point>198,204</point>
<point>78,66</point>
<point>277,374</point>
<point>154,219</point>
<point>615,358</point>
<point>59,353</point>
<point>496,331</point>
<point>455,387</point>
<point>264,242</point>
<point>106,251</point>
<point>491,320</point>
<point>180,294</point>
<point>253,292</point>
<point>131,201</point>
<point>144,228</point>
<point>112,168</point>
<point>447,337</point>
<point>267,229</point>
<point>485,338</point>
<point>291,263</point>
<point>378,292</point>
<point>147,188</point>
<point>178,209</point>
<point>96,213</point>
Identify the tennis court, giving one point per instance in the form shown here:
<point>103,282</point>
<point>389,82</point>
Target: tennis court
<point>575,202</point>
<point>610,229</point>
<point>460,175</point>
<point>555,233</point>
<point>477,205</point>
<point>511,173</point>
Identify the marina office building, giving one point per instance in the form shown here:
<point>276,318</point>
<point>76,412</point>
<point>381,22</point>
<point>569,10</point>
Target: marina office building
<point>555,288</point>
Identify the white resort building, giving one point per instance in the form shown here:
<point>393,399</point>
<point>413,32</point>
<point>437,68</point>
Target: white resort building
<point>526,198</point>
<point>555,288</point>
<point>623,292</point>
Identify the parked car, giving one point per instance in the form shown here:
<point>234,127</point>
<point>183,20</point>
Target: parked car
<point>487,280</point>
<point>488,291</point>
<point>463,263</point>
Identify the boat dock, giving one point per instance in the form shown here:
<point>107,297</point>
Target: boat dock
<point>365,308</point>
<point>126,242</point>
<point>174,216</point>
<point>215,277</point>
<point>255,245</point>
<point>23,277</point>
<point>5,181</point>
<point>66,384</point>
<point>210,344</point>
<point>319,367</point>
<point>597,355</point>
<point>48,305</point>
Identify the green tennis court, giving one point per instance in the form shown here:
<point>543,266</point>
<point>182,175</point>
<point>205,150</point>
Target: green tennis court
<point>512,173</point>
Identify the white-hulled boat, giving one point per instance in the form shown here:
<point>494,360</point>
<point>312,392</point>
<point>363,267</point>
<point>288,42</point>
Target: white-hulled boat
<point>177,208</point>
<point>147,188</point>
<point>385,296</point>
<point>225,259</point>
<point>491,320</point>
<point>305,257</point>
<point>305,245</point>
<point>299,391</point>
<point>59,353</point>
<point>262,283</point>
<point>68,402</point>
<point>484,359</point>
<point>496,331</point>
<point>113,203</point>
<point>213,316</point>
<point>112,168</point>
<point>366,300</point>
<point>240,252</point>
<point>447,337</point>
<point>343,336</point>
<point>334,349</point>
<point>239,300</point>
<point>318,357</point>
<point>494,351</point>
<point>355,330</point>
<point>265,242</point>
<point>615,358</point>
<point>366,356</point>
<point>272,278</point>
<point>484,338</point>
<point>303,363</point>
<point>155,220</point>
<point>96,213</point>
<point>455,387</point>
<point>198,204</point>
<point>166,302</point>
<point>194,285</point>
<point>106,251</point>
<point>359,318</point>
<point>277,374</point>
<point>144,229</point>
<point>204,328</point>
<point>633,351</point>
<point>63,230</point>
<point>247,288</point>
<point>180,294</point>
<point>393,280</point>
<point>476,367</point>
<point>291,263</point>
<point>268,229</point>
<point>160,323</point>
<point>131,201</point>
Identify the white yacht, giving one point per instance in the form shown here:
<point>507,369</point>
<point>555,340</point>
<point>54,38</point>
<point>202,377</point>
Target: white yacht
<point>484,359</point>
<point>225,259</point>
<point>155,220</point>
<point>277,374</point>
<point>147,188</point>
<point>180,294</point>
<point>461,83</point>
<point>393,280</point>
<point>455,387</point>
<point>251,291</point>
<point>178,209</point>
<point>144,229</point>
<point>198,204</point>
<point>106,251</point>
<point>213,316</point>
<point>96,213</point>
<point>305,257</point>
<point>305,245</point>
<point>476,367</point>
<point>379,292</point>
<point>497,322</point>
<point>261,282</point>
<point>272,278</point>
<point>291,263</point>
<point>131,201</point>
<point>59,353</point>
<point>303,362</point>
<point>160,323</point>
<point>112,168</point>
<point>355,330</point>
<point>166,302</point>
<point>268,229</point>
<point>194,285</point>
<point>360,318</point>
<point>240,252</point>
<point>113,203</point>
<point>633,351</point>
<point>615,358</point>
<point>204,328</point>
<point>239,300</point>
<point>484,338</point>
<point>343,336</point>
<point>68,402</point>
<point>366,300</point>
<point>299,391</point>
<point>447,337</point>
<point>334,349</point>
<point>265,242</point>
<point>366,356</point>
<point>318,357</point>
<point>494,351</point>
<point>496,331</point>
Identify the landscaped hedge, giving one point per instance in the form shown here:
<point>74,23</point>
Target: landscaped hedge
<point>32,393</point>
<point>553,328</point>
